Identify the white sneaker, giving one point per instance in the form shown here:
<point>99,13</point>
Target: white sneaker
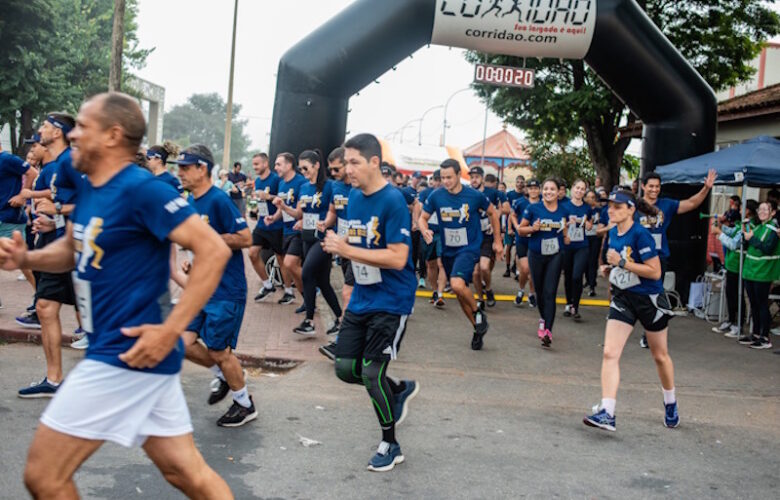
<point>775,331</point>
<point>732,333</point>
<point>724,327</point>
<point>80,344</point>
<point>20,278</point>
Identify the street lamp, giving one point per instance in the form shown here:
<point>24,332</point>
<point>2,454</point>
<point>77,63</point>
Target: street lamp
<point>419,130</point>
<point>401,130</point>
<point>444,130</point>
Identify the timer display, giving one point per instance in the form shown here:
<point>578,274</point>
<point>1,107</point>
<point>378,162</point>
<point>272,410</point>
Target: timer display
<point>504,76</point>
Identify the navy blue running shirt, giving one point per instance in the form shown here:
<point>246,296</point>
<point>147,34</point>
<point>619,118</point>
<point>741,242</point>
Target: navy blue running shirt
<point>219,212</point>
<point>636,245</point>
<point>376,221</point>
<point>67,179</point>
<point>122,257</point>
<point>549,239</point>
<point>172,180</point>
<point>315,206</point>
<point>578,216</point>
<point>289,193</point>
<point>519,206</point>
<point>433,221</point>
<point>269,185</point>
<point>658,224</point>
<point>12,168</point>
<point>459,218</point>
<point>341,191</point>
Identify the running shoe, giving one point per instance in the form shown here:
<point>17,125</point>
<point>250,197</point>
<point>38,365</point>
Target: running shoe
<point>575,314</point>
<point>81,343</point>
<point>20,278</point>
<point>480,329</point>
<point>387,456</point>
<point>724,327</point>
<point>333,330</point>
<point>301,309</point>
<point>305,328</point>
<point>219,389</point>
<point>264,293</point>
<point>287,298</point>
<point>42,389</point>
<point>491,298</point>
<point>547,338</point>
<point>567,311</point>
<point>507,273</point>
<point>29,321</point>
<point>519,298</point>
<point>237,415</point>
<point>541,329</point>
<point>601,419</point>
<point>439,303</point>
<point>733,332</point>
<point>531,300</point>
<point>761,343</point>
<point>433,298</point>
<point>747,339</point>
<point>329,351</point>
<point>79,332</point>
<point>447,288</point>
<point>775,331</point>
<point>481,305</point>
<point>643,342</point>
<point>671,415</point>
<point>402,399</point>
<point>592,292</point>
<point>421,283</point>
<point>31,308</point>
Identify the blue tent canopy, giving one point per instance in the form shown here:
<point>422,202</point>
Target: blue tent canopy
<point>755,162</point>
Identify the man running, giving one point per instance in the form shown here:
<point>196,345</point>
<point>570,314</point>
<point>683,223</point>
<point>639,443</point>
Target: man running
<point>219,323</point>
<point>265,236</point>
<point>378,243</point>
<point>127,390</point>
<point>437,278</point>
<point>521,243</point>
<point>459,209</point>
<point>509,233</point>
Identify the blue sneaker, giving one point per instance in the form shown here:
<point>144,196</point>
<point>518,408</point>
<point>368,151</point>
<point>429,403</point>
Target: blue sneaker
<point>42,389</point>
<point>671,415</point>
<point>78,332</point>
<point>601,419</point>
<point>402,400</point>
<point>387,455</point>
<point>28,321</point>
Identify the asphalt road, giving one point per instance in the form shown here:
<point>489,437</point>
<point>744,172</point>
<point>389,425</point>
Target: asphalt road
<point>501,423</point>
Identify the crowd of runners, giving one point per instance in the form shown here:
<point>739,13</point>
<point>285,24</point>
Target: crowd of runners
<point>76,239</point>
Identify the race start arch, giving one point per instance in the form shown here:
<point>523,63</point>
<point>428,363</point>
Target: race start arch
<point>317,76</point>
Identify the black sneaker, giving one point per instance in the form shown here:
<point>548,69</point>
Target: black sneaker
<point>761,343</point>
<point>643,342</point>
<point>439,303</point>
<point>575,314</point>
<point>329,351</point>
<point>507,273</point>
<point>532,300</point>
<point>237,415</point>
<point>333,330</point>
<point>481,305</point>
<point>567,311</point>
<point>264,293</point>
<point>592,292</point>
<point>287,298</point>
<point>305,328</point>
<point>219,389</point>
<point>747,339</point>
<point>29,320</point>
<point>480,329</point>
<point>301,309</point>
<point>434,297</point>
<point>491,298</point>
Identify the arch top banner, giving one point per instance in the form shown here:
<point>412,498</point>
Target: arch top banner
<point>523,28</point>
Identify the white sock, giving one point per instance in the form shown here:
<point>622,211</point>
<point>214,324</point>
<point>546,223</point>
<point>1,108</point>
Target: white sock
<point>241,397</point>
<point>217,372</point>
<point>609,405</point>
<point>268,284</point>
<point>55,384</point>
<point>289,291</point>
<point>669,396</point>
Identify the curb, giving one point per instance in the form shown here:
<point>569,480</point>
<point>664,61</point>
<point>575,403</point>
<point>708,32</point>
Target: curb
<point>276,365</point>
<point>510,298</point>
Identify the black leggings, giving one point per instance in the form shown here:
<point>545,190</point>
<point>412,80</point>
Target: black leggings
<point>418,258</point>
<point>316,273</point>
<point>545,273</point>
<point>594,247</point>
<point>575,261</point>
<point>732,297</point>
<point>758,294</point>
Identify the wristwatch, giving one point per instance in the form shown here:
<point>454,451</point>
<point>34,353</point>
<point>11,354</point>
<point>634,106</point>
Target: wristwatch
<point>622,263</point>
<point>58,207</point>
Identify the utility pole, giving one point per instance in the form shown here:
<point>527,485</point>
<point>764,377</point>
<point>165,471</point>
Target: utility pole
<point>117,44</point>
<point>229,114</point>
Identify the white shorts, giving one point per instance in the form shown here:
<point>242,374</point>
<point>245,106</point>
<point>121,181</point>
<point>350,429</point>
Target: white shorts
<point>104,402</point>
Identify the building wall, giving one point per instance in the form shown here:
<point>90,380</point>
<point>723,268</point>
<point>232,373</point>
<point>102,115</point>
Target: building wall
<point>767,66</point>
<point>739,130</point>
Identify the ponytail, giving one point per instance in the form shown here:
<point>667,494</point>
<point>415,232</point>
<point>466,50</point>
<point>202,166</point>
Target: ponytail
<point>314,156</point>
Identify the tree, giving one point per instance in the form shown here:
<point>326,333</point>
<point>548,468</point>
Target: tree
<point>201,120</point>
<point>718,37</point>
<point>55,54</point>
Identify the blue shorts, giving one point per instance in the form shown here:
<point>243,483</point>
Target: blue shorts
<point>509,239</point>
<point>218,324</point>
<point>7,229</point>
<point>460,265</point>
<point>432,251</point>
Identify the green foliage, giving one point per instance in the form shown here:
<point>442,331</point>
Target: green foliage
<point>201,120</point>
<point>563,161</point>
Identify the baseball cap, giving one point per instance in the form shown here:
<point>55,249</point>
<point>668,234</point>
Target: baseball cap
<point>33,140</point>
<point>532,183</point>
<point>476,170</point>
<point>621,197</point>
<point>386,170</point>
<point>417,175</point>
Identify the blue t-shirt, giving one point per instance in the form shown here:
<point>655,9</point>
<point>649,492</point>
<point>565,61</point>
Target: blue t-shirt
<point>604,215</point>
<point>578,215</point>
<point>341,191</point>
<point>459,218</point>
<point>12,168</point>
<point>658,224</point>
<point>45,177</point>
<point>67,179</point>
<point>409,194</point>
<point>513,195</point>
<point>519,206</point>
<point>422,197</point>
<point>636,245</point>
<point>549,239</point>
<point>219,212</point>
<point>289,193</point>
<point>269,185</point>
<point>315,205</point>
<point>595,216</point>
<point>375,222</point>
<point>497,198</point>
<point>172,180</point>
<point>120,243</point>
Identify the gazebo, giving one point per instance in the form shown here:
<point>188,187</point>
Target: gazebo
<point>501,151</point>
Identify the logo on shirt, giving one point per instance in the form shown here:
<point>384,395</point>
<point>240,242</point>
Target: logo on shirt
<point>340,201</point>
<point>288,197</point>
<point>370,231</point>
<point>551,225</point>
<point>627,253</point>
<point>175,204</point>
<point>448,214</point>
<point>652,221</point>
<point>90,253</point>
<point>205,218</point>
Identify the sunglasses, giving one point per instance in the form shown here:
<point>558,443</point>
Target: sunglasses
<point>335,169</point>
<point>304,169</point>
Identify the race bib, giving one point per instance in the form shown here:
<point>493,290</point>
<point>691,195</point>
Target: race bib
<point>456,237</point>
<point>623,278</point>
<point>659,238</point>
<point>83,291</point>
<point>342,227</point>
<point>591,231</point>
<point>287,217</point>
<point>365,274</point>
<point>59,221</point>
<point>262,209</point>
<point>576,233</point>
<point>550,246</point>
<point>310,221</point>
<point>485,224</point>
<point>434,218</point>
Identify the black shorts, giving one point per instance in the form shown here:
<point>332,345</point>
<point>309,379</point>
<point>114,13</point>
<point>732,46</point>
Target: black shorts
<point>486,249</point>
<point>55,287</point>
<point>373,336</point>
<point>652,311</point>
<point>521,250</point>
<point>273,240</point>
<point>293,245</point>
<point>346,268</point>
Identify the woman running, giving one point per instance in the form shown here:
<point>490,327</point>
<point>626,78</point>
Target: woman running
<point>545,222</point>
<point>156,160</point>
<point>594,241</point>
<point>634,270</point>
<point>575,254</point>
<point>313,205</point>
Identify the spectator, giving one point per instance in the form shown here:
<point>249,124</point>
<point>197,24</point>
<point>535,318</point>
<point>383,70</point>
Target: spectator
<point>237,195</point>
<point>225,184</point>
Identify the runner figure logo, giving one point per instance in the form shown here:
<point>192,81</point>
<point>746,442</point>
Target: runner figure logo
<point>88,248</point>
<point>372,232</point>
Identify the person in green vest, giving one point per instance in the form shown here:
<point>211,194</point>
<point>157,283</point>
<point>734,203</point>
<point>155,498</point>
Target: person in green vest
<point>760,269</point>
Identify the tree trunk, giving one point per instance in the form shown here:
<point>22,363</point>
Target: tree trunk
<point>12,135</point>
<point>117,44</point>
<point>25,125</point>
